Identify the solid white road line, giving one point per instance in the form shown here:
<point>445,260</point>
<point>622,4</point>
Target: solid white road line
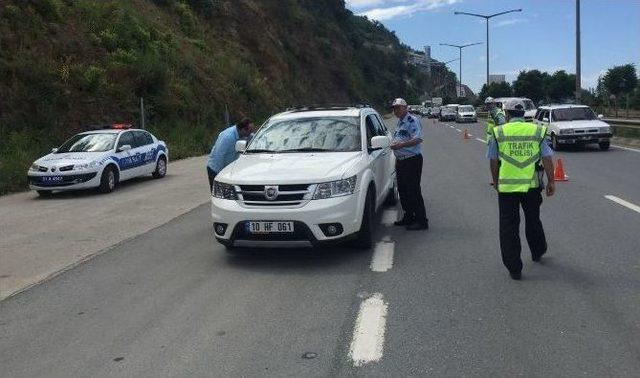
<point>624,203</point>
<point>625,148</point>
<point>389,216</point>
<point>368,334</point>
<point>481,140</point>
<point>383,256</point>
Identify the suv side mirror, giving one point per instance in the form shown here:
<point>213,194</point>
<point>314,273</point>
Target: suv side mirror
<point>600,116</point>
<point>241,145</point>
<point>545,119</point>
<point>124,147</point>
<point>54,150</point>
<point>379,142</point>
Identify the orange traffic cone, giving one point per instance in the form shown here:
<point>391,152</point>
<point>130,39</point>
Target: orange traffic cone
<point>466,134</point>
<point>558,172</point>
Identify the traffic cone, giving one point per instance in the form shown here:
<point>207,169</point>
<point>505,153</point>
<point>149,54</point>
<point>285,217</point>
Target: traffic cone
<point>558,172</point>
<point>466,134</point>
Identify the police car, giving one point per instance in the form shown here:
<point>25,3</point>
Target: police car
<point>99,159</point>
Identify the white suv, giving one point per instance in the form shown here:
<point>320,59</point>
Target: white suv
<point>309,177</point>
<point>573,124</point>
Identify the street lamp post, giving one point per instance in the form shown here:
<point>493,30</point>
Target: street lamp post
<point>487,17</point>
<point>460,47</point>
<point>578,68</point>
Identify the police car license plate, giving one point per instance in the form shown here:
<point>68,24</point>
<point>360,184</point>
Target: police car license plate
<point>51,179</point>
<point>270,227</point>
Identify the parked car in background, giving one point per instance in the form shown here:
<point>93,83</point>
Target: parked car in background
<point>573,125</point>
<point>449,112</point>
<point>466,113</point>
<point>99,159</point>
<point>309,177</point>
<point>435,112</point>
<point>527,104</point>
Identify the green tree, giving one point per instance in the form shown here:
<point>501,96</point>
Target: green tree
<point>621,81</point>
<point>531,84</point>
<point>559,87</point>
<point>494,90</point>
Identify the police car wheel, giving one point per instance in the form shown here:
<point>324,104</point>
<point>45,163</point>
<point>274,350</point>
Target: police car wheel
<point>364,239</point>
<point>161,168</point>
<point>108,180</point>
<point>44,193</point>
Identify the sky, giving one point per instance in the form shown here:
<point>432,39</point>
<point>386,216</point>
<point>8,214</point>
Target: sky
<point>542,36</point>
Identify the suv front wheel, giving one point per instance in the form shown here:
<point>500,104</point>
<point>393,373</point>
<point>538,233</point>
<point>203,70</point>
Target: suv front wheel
<point>364,239</point>
<point>604,145</point>
<point>554,143</point>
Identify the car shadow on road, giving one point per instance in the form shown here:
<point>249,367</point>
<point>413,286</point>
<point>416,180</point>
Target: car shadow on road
<point>289,259</point>
<point>125,186</point>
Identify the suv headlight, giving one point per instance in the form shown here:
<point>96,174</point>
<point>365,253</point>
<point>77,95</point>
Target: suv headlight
<point>34,167</point>
<point>335,188</point>
<point>605,130</point>
<point>566,131</point>
<point>85,166</point>
<point>224,191</point>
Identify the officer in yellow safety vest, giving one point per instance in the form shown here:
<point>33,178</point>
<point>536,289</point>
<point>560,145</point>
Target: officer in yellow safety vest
<point>495,116</point>
<point>515,152</point>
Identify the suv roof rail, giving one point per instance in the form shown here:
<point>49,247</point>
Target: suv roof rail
<point>302,108</point>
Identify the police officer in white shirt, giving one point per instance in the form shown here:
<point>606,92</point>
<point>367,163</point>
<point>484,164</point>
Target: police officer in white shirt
<point>406,145</point>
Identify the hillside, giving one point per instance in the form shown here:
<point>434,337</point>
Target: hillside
<point>65,64</point>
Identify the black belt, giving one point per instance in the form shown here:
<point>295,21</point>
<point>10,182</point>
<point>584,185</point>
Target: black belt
<point>406,157</point>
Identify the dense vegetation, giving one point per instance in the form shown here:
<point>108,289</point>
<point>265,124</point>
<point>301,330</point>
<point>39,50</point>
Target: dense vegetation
<point>618,86</point>
<point>65,64</point>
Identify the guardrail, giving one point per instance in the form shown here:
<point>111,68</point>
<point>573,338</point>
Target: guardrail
<point>632,123</point>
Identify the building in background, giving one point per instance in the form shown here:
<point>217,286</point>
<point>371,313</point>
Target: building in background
<point>496,79</point>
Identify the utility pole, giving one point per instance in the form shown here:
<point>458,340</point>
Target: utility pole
<point>487,18</point>
<point>460,47</point>
<point>578,63</point>
<point>142,113</point>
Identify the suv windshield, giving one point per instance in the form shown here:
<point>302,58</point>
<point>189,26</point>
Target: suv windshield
<point>327,134</point>
<point>573,114</point>
<point>465,108</point>
<point>89,143</point>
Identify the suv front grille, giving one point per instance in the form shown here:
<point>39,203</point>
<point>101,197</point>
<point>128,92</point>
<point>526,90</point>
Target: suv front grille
<point>288,195</point>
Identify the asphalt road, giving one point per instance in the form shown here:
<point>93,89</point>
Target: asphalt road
<point>170,302</point>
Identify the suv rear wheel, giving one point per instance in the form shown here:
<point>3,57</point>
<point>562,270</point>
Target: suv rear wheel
<point>554,143</point>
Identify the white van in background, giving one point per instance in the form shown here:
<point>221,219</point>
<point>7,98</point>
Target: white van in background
<point>528,105</point>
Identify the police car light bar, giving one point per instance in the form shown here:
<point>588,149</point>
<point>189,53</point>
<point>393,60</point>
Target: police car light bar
<point>119,126</point>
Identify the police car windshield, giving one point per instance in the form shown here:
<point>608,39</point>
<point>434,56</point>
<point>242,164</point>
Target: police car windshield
<point>573,114</point>
<point>89,143</point>
<point>326,134</point>
<point>465,108</point>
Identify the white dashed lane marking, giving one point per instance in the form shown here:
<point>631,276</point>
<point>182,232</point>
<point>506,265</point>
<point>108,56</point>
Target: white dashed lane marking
<point>382,256</point>
<point>480,140</point>
<point>368,335</point>
<point>624,203</point>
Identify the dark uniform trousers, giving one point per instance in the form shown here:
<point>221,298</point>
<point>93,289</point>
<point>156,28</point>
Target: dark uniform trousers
<point>409,172</point>
<point>509,205</point>
<point>212,175</point>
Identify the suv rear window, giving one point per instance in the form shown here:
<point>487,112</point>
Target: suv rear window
<point>326,134</point>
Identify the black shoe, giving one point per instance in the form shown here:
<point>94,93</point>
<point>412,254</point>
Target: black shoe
<point>537,258</point>
<point>417,226</point>
<point>515,275</point>
<point>403,222</point>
